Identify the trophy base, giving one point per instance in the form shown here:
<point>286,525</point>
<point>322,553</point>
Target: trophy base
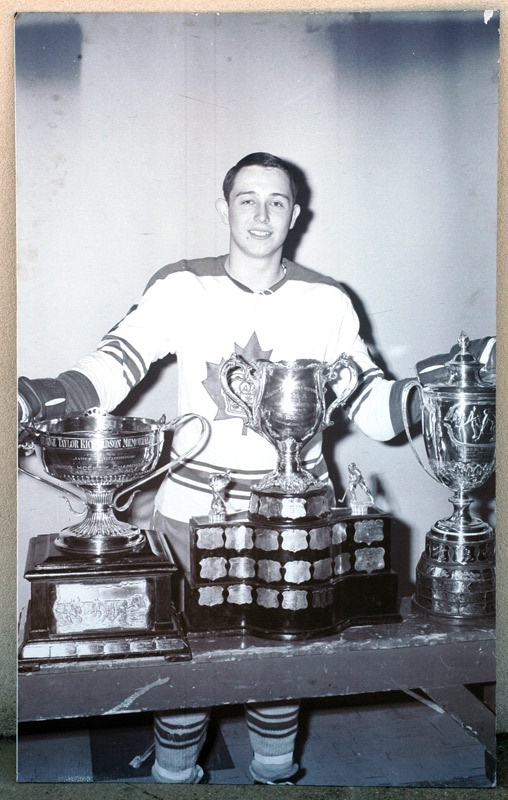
<point>126,539</point>
<point>455,576</point>
<point>290,581</point>
<point>83,609</point>
<point>278,506</point>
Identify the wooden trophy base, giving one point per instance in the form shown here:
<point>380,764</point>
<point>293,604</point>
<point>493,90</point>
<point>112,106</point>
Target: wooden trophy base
<point>100,607</point>
<point>290,580</point>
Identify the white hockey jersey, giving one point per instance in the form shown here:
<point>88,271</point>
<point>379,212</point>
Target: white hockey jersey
<point>195,310</point>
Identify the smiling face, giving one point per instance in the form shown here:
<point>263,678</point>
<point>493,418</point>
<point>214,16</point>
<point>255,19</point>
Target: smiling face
<point>260,213</point>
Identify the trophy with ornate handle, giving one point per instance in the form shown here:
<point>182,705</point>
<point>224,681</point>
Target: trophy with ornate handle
<point>285,402</point>
<point>455,576</point>
<point>102,588</point>
<point>98,452</point>
<point>293,565</point>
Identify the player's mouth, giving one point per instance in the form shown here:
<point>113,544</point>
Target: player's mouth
<point>260,234</point>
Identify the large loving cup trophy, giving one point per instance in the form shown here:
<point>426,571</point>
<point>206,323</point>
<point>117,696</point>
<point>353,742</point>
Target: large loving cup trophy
<point>100,452</point>
<point>455,577</point>
<point>285,402</point>
<point>102,588</point>
<point>292,566</point>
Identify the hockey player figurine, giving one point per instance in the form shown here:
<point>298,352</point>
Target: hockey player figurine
<point>356,481</point>
<point>218,483</point>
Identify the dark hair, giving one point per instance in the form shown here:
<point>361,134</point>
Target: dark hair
<point>259,160</point>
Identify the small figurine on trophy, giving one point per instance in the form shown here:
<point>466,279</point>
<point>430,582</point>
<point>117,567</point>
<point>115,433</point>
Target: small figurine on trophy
<point>356,481</point>
<point>219,481</point>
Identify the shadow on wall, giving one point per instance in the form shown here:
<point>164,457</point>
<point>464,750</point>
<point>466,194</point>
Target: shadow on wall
<point>303,221</point>
<point>49,51</point>
<point>384,40</point>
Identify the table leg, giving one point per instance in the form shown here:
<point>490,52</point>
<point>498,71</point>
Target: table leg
<point>471,714</point>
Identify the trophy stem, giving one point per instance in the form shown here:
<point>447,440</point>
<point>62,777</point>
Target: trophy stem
<point>288,456</point>
<point>100,532</point>
<point>288,477</point>
<point>289,492</point>
<point>461,523</point>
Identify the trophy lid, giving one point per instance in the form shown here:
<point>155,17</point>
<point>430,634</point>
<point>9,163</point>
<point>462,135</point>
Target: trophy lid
<point>464,368</point>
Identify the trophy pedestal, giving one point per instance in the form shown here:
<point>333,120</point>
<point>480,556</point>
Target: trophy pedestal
<point>290,580</point>
<point>100,608</point>
<point>280,506</point>
<point>455,576</point>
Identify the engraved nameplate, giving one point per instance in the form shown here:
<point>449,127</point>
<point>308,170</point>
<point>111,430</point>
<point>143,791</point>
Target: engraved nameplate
<point>342,563</point>
<point>370,559</point>
<point>268,598</point>
<point>294,600</point>
<point>297,571</point>
<point>294,540</point>
<point>267,539</point>
<point>210,596</point>
<point>369,530</point>
<point>239,537</point>
<point>80,607</point>
<point>210,538</point>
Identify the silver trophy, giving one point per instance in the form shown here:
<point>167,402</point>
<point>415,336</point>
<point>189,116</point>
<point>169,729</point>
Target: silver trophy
<point>285,402</point>
<point>456,573</point>
<point>99,452</point>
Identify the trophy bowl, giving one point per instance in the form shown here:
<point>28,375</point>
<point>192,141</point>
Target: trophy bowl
<point>98,449</point>
<point>100,452</point>
<point>284,401</point>
<point>459,436</point>
<point>459,432</point>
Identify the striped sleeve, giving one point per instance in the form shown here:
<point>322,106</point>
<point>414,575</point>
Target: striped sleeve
<point>413,408</point>
<point>369,404</point>
<point>126,352</point>
<point>114,369</point>
<point>120,350</point>
<point>370,407</point>
<point>367,382</point>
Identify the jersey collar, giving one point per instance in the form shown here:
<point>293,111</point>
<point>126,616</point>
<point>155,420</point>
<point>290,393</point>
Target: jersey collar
<point>262,292</point>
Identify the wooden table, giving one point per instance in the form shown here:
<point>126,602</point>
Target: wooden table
<point>431,660</point>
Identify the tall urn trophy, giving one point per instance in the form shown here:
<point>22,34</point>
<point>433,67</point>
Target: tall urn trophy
<point>101,588</point>
<point>293,566</point>
<point>455,576</point>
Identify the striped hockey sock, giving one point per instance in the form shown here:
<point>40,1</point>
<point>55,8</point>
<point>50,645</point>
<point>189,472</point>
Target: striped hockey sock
<point>179,737</point>
<point>272,731</point>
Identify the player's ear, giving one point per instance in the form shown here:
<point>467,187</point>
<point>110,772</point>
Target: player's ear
<point>222,210</point>
<point>295,215</point>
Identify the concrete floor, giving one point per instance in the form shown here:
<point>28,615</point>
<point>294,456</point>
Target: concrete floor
<point>129,791</point>
<point>371,741</point>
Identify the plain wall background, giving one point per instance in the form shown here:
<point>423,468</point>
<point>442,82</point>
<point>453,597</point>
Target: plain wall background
<point>126,124</point>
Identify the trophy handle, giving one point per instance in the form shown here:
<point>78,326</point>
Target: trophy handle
<point>237,366</point>
<point>54,485</point>
<point>27,447</point>
<point>406,391</point>
<point>168,468</point>
<point>343,362</point>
